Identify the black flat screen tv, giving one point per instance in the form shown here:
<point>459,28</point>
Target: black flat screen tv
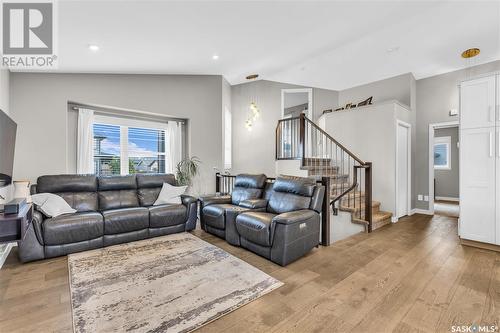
<point>8,130</point>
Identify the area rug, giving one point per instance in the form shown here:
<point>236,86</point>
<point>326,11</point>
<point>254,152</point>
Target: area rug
<point>174,283</point>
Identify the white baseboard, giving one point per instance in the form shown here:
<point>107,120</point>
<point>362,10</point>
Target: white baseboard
<point>448,199</point>
<point>421,211</point>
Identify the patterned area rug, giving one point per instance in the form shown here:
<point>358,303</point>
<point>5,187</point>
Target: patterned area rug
<point>174,283</point>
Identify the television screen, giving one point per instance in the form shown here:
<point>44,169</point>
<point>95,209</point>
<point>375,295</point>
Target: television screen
<point>8,130</point>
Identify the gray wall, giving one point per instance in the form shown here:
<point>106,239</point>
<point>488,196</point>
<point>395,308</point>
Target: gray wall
<point>254,151</point>
<point>435,97</point>
<point>397,87</point>
<point>39,106</point>
<point>447,181</point>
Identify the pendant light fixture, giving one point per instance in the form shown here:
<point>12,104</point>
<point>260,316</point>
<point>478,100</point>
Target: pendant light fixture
<point>254,111</point>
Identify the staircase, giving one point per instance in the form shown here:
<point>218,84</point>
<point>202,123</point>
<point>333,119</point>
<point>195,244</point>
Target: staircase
<point>322,156</point>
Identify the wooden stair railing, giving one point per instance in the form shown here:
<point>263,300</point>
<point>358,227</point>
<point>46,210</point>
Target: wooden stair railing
<point>299,138</point>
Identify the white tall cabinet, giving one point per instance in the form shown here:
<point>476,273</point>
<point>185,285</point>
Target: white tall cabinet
<point>480,160</point>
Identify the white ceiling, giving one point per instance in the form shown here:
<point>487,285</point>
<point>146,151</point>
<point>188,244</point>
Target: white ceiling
<point>333,45</point>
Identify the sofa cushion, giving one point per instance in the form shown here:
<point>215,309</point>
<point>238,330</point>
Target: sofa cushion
<point>117,221</point>
<point>291,193</point>
<point>51,205</point>
<point>81,201</point>
<point>72,228</point>
<point>213,215</point>
<point>256,227</point>
<point>66,183</point>
<point>79,191</point>
<point>170,194</point>
<point>117,192</point>
<point>149,187</point>
<point>247,187</point>
<point>167,215</point>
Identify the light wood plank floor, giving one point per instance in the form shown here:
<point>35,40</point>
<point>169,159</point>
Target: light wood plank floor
<point>412,276</point>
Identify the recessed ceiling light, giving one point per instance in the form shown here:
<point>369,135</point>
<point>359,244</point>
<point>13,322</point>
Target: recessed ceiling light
<point>93,48</point>
<point>392,49</point>
<point>215,57</point>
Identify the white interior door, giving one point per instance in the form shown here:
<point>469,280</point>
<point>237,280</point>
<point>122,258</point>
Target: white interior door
<point>477,103</point>
<point>477,184</point>
<point>403,170</point>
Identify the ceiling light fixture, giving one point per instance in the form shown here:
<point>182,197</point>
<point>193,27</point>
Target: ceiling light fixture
<point>215,57</point>
<point>470,53</point>
<point>93,47</point>
<point>254,109</point>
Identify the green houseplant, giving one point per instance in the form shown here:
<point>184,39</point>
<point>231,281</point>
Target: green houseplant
<point>187,169</point>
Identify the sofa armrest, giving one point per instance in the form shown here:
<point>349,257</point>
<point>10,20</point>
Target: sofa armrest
<point>187,199</point>
<point>37,222</point>
<point>295,216</point>
<point>212,200</point>
<point>253,203</point>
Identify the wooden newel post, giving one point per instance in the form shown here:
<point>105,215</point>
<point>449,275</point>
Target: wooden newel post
<point>217,182</point>
<point>325,213</point>
<point>368,195</point>
<point>302,136</point>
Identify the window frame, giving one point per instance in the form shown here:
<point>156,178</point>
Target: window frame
<point>446,140</point>
<point>125,124</point>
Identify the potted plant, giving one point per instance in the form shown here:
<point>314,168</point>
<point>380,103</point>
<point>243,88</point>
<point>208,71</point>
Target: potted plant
<point>187,169</point>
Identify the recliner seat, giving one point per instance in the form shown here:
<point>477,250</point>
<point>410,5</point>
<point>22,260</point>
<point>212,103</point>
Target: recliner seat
<point>283,224</point>
<point>218,214</point>
<point>290,226</point>
<point>110,210</point>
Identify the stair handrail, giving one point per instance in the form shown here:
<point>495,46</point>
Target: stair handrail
<point>301,152</point>
<point>331,138</point>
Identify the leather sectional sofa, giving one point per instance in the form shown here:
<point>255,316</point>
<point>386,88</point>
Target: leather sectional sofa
<point>110,210</point>
<point>279,221</point>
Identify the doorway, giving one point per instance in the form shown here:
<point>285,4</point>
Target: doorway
<point>444,169</point>
<point>403,168</point>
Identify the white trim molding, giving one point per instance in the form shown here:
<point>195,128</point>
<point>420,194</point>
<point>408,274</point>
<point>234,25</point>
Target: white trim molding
<point>421,211</point>
<point>409,195</point>
<point>309,91</point>
<point>448,199</point>
<point>432,128</point>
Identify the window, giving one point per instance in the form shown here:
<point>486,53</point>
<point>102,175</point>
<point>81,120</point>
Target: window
<point>123,146</point>
<point>442,153</point>
<point>227,139</point>
<point>107,149</point>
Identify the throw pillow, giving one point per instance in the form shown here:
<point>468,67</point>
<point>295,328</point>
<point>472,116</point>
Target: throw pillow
<point>170,194</point>
<point>51,205</point>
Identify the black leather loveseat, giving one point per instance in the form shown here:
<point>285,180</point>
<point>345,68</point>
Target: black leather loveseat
<point>110,210</point>
<point>279,221</point>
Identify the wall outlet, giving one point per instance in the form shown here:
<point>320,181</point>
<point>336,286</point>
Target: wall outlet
<point>420,197</point>
<point>426,198</point>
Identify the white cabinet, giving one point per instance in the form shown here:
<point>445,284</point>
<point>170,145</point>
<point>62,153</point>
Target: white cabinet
<point>498,184</point>
<point>480,160</point>
<point>477,186</point>
<point>477,103</point>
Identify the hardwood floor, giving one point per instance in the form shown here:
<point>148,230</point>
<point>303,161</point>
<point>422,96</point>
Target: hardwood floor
<point>412,276</point>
